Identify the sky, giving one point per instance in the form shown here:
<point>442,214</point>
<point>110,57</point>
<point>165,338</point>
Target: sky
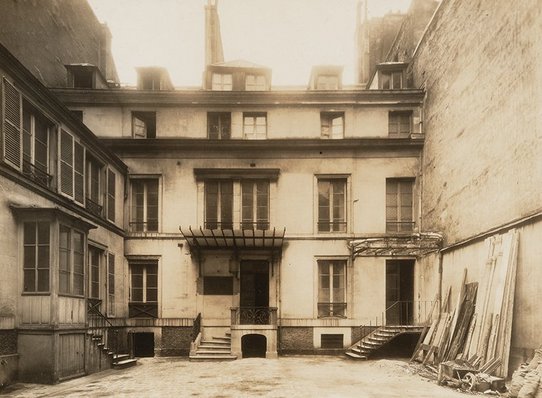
<point>289,36</point>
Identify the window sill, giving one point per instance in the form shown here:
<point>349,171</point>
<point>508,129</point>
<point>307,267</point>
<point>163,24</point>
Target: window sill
<point>36,293</point>
<point>71,295</point>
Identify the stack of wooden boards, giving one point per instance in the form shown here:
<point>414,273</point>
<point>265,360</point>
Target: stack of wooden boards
<point>478,330</point>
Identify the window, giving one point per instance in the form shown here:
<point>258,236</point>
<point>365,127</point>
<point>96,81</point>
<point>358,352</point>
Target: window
<point>331,205</point>
<point>143,290</point>
<point>391,80</point>
<point>399,205</point>
<point>255,83</point>
<point>72,167</point>
<point>144,205</point>
<point>83,78</point>
<point>94,260</point>
<point>71,261</point>
<point>218,285</point>
<point>255,125</point>
<point>331,288</point>
<point>36,259</point>
<point>110,195</point>
<point>94,199</point>
<point>219,125</point>
<point>12,124</point>
<point>35,145</point>
<point>399,124</point>
<point>150,81</point>
<point>221,82</point>
<point>110,284</point>
<point>332,124</point>
<point>144,124</point>
<point>327,82</point>
<point>219,204</point>
<point>255,204</point>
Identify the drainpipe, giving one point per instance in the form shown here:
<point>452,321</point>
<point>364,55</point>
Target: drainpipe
<point>440,282</point>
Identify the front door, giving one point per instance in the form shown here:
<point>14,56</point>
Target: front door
<point>399,292</point>
<point>254,292</point>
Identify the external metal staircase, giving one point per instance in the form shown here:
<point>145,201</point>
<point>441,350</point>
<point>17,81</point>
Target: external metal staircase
<point>378,338</point>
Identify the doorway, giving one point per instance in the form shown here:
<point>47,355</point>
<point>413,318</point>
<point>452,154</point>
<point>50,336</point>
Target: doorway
<point>253,346</point>
<point>399,292</point>
<point>254,293</point>
<point>143,344</point>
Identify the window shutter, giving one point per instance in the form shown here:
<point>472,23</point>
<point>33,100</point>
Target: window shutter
<point>110,195</point>
<point>79,172</point>
<point>66,163</point>
<point>12,124</point>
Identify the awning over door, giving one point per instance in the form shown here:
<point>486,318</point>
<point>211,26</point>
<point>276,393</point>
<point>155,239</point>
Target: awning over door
<point>417,245</point>
<point>234,239</point>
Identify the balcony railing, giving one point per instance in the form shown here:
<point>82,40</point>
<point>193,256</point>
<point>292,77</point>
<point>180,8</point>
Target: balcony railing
<point>253,315</point>
<point>332,310</point>
<point>143,226</point>
<point>37,174</point>
<point>332,226</point>
<point>142,310</point>
<point>399,226</point>
<point>93,207</point>
<point>259,225</point>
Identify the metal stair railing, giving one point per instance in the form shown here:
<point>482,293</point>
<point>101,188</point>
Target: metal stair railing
<point>99,324</point>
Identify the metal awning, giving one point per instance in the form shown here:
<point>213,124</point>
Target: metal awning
<point>234,239</point>
<point>417,245</point>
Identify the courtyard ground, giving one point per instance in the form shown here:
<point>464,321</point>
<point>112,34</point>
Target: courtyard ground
<point>299,376</point>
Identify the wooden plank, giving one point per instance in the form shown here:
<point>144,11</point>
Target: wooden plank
<point>468,340</point>
<point>463,321</point>
<point>457,310</point>
<point>492,344</point>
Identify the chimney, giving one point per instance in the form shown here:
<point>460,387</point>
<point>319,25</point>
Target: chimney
<point>213,39</point>
<point>362,42</point>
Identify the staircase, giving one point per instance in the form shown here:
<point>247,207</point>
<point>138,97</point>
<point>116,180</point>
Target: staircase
<point>118,361</point>
<point>216,349</point>
<point>379,337</point>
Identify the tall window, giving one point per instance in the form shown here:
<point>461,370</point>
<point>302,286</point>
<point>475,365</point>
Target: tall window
<point>35,145</point>
<point>331,288</point>
<point>255,204</point>
<point>72,167</point>
<point>36,259</point>
<point>219,125</point>
<point>143,290</point>
<point>94,260</point>
<point>399,124</point>
<point>331,205</point>
<point>111,195</point>
<point>255,83</point>
<point>93,201</point>
<point>222,82</point>
<point>255,125</point>
<point>110,284</point>
<point>144,124</point>
<point>332,124</point>
<point>399,204</point>
<point>144,205</point>
<point>71,261</point>
<point>219,204</point>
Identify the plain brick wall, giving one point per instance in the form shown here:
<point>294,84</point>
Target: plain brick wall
<point>176,341</point>
<point>8,342</point>
<point>296,339</point>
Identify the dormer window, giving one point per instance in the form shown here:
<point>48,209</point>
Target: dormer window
<point>392,80</point>
<point>255,83</point>
<point>150,82</point>
<point>222,82</point>
<point>153,78</point>
<point>327,82</point>
<point>83,78</point>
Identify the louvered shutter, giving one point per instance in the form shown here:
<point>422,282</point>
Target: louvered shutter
<point>111,195</point>
<point>79,172</point>
<point>66,163</point>
<point>12,124</point>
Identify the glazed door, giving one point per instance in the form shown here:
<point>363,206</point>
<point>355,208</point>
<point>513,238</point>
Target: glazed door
<point>399,292</point>
<point>254,292</point>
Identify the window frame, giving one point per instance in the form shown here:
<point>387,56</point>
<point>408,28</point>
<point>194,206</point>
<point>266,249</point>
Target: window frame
<point>398,219</point>
<point>95,270</point>
<point>149,119</point>
<point>223,120</point>
<point>329,118</point>
<point>75,174</point>
<point>396,123</point>
<point>254,116</point>
<point>110,288</point>
<point>327,81</point>
<point>334,222</point>
<point>218,83</point>
<point>71,262</point>
<point>133,219</point>
<point>222,220</point>
<point>255,221</point>
<point>321,302</point>
<point>111,194</point>
<point>144,286</point>
<point>35,269</point>
<point>255,82</point>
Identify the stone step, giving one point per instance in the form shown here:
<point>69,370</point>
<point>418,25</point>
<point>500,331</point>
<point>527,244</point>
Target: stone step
<point>355,356</point>
<point>120,357</point>
<point>216,342</point>
<point>125,363</point>
<point>212,358</point>
<point>212,352</point>
<point>213,348</point>
<point>222,338</point>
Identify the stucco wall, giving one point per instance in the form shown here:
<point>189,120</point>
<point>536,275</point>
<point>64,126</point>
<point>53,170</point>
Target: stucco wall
<point>483,120</point>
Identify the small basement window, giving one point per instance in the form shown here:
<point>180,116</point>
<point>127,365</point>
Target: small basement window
<point>331,340</point>
<point>144,124</point>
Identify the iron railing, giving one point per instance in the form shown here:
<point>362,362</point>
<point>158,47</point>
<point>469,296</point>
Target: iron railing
<point>399,226</point>
<point>93,207</point>
<point>100,325</point>
<point>196,327</point>
<point>331,310</point>
<point>142,310</point>
<point>332,226</point>
<point>245,225</point>
<point>254,316</point>
<point>143,226</point>
<point>37,174</point>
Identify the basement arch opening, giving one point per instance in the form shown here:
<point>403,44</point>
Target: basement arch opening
<point>253,346</point>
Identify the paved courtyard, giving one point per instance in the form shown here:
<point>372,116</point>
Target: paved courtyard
<point>284,377</point>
